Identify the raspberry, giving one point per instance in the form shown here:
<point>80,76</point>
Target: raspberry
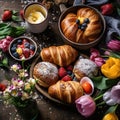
<point>62,72</point>
<point>67,78</point>
<point>70,68</point>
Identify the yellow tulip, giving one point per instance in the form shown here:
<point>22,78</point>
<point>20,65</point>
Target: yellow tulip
<point>111,68</point>
<point>110,116</point>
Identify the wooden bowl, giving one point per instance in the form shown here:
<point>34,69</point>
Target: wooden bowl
<point>81,46</point>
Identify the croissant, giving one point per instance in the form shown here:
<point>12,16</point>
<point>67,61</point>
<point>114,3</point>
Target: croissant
<point>60,55</point>
<point>67,92</point>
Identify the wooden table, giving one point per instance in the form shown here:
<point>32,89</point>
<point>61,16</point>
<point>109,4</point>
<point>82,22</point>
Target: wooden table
<point>49,110</point>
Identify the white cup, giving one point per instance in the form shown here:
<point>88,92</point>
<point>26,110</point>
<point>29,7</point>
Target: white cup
<point>36,17</point>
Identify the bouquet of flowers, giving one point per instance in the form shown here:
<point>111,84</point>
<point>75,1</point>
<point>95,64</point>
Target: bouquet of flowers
<point>20,89</point>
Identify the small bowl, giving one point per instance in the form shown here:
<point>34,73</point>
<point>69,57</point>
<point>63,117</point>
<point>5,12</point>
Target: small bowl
<point>80,46</point>
<point>22,48</point>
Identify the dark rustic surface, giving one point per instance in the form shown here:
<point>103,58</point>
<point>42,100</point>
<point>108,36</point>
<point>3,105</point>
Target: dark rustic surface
<point>49,110</point>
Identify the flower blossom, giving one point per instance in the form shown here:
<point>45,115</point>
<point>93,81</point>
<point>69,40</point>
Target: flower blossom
<point>15,67</point>
<point>112,96</point>
<point>95,56</point>
<point>114,45</point>
<point>85,105</point>
<point>110,116</point>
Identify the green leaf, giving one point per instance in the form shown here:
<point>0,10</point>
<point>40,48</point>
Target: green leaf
<point>118,11</point>
<point>16,18</point>
<point>103,83</point>
<point>5,61</point>
<point>14,12</point>
<point>111,109</point>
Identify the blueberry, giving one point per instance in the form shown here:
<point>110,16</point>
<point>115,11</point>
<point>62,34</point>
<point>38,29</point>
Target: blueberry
<point>15,54</point>
<point>27,45</point>
<point>14,45</point>
<point>84,25</point>
<point>78,21</point>
<point>19,41</point>
<point>69,72</point>
<point>13,48</point>
<point>32,47</point>
<point>86,20</point>
<point>82,28</point>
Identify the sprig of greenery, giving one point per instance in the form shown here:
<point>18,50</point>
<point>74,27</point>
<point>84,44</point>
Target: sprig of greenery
<point>3,60</point>
<point>9,30</point>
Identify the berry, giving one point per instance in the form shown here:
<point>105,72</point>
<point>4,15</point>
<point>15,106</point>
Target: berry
<point>69,72</point>
<point>67,78</point>
<point>32,47</point>
<point>84,25</point>
<point>27,45</point>
<point>19,41</point>
<point>22,14</point>
<point>7,15</point>
<point>69,68</point>
<point>62,72</point>
<point>31,52</point>
<point>13,49</point>
<point>16,55</point>
<point>26,52</point>
<point>86,20</point>
<point>2,87</point>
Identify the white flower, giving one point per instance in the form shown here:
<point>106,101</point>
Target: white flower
<point>15,67</point>
<point>27,86</point>
<point>25,96</point>
<point>31,81</point>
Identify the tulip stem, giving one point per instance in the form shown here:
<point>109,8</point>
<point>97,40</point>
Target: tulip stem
<point>98,97</point>
<point>103,102</point>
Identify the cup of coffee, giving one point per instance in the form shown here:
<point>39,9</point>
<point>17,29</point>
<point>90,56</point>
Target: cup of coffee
<point>36,17</point>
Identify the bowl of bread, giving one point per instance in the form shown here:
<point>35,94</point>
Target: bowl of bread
<point>58,71</point>
<point>81,26</point>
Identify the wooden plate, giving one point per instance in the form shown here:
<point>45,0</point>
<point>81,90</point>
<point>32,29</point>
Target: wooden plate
<point>44,91</point>
<point>41,89</point>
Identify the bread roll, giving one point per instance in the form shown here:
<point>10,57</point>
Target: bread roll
<point>46,73</point>
<point>85,67</point>
<point>87,28</point>
<point>59,55</point>
<point>67,92</point>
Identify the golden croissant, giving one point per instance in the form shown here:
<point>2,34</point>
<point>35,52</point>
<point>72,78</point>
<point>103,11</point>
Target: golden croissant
<point>67,92</point>
<point>60,55</point>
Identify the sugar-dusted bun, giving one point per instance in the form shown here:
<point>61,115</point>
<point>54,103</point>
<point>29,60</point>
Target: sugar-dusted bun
<point>85,67</point>
<point>72,25</point>
<point>46,73</point>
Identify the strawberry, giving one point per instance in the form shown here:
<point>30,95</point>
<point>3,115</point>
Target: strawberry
<point>62,72</point>
<point>26,52</point>
<point>69,68</point>
<point>2,87</point>
<point>67,78</point>
<point>22,14</point>
<point>7,15</point>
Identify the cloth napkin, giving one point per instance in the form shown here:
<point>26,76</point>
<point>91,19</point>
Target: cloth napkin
<point>112,22</point>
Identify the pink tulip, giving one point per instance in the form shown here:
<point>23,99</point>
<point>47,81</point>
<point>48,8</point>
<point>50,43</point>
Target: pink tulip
<point>114,45</point>
<point>95,57</point>
<point>85,105</point>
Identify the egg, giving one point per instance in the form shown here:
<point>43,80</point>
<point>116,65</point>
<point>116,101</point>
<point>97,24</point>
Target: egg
<point>87,85</point>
